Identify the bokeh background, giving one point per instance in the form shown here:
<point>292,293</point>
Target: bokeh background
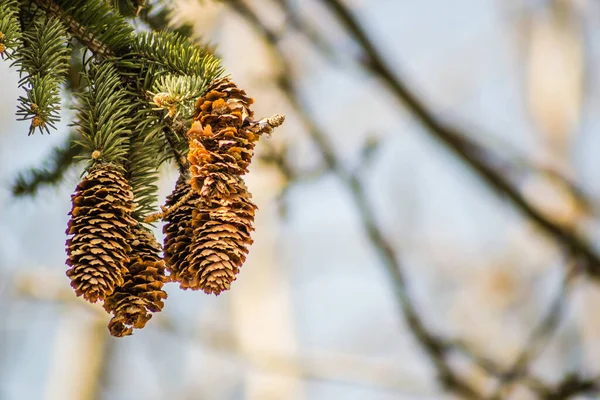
<point>427,224</point>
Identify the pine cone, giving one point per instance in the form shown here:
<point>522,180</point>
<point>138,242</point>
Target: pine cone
<point>178,227</point>
<point>222,226</point>
<point>221,147</point>
<point>132,303</point>
<point>221,141</point>
<point>101,227</point>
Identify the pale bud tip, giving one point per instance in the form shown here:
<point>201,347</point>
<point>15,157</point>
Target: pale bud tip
<point>276,120</point>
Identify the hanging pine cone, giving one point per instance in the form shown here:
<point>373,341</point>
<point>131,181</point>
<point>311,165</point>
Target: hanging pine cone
<point>132,303</point>
<point>178,227</point>
<point>101,227</point>
<point>222,227</point>
<point>221,141</point>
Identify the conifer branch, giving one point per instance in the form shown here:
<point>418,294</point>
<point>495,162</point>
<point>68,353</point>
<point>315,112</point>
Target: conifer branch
<point>43,60</point>
<point>96,25</point>
<point>142,173</point>
<point>10,30</point>
<point>180,159</point>
<point>134,102</point>
<point>62,158</point>
<point>103,116</point>
<point>77,29</point>
<point>174,53</point>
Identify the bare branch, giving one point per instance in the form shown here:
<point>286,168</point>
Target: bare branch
<point>474,155</point>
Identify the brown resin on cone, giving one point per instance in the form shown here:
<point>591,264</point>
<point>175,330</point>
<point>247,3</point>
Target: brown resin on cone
<point>222,140</point>
<point>142,291</point>
<point>100,229</point>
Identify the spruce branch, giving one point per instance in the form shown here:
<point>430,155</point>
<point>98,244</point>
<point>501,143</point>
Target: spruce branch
<point>170,132</point>
<point>103,116</point>
<point>43,61</point>
<point>52,172</point>
<point>180,159</point>
<point>45,51</point>
<point>41,104</point>
<point>186,69</point>
<point>173,53</point>
<point>176,94</point>
<point>96,25</point>
<point>10,31</point>
<point>142,173</point>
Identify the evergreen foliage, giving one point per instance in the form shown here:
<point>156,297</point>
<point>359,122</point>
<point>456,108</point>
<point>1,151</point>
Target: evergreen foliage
<point>58,163</point>
<point>43,60</point>
<point>10,30</point>
<point>133,89</point>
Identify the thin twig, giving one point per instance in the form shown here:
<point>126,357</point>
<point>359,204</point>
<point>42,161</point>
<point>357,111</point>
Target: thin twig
<point>541,333</point>
<point>166,211</point>
<point>311,34</point>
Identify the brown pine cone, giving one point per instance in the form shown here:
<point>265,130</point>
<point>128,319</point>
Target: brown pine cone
<point>222,226</point>
<point>142,292</point>
<point>221,142</point>
<point>100,226</point>
<point>178,227</point>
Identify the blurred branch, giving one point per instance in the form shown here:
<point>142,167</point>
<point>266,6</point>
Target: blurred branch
<point>52,173</point>
<point>327,367</point>
<point>570,386</point>
<point>532,348</point>
<point>432,345</point>
<point>474,155</point>
<point>307,30</point>
<point>291,175</point>
<point>488,165</point>
<point>541,333</point>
